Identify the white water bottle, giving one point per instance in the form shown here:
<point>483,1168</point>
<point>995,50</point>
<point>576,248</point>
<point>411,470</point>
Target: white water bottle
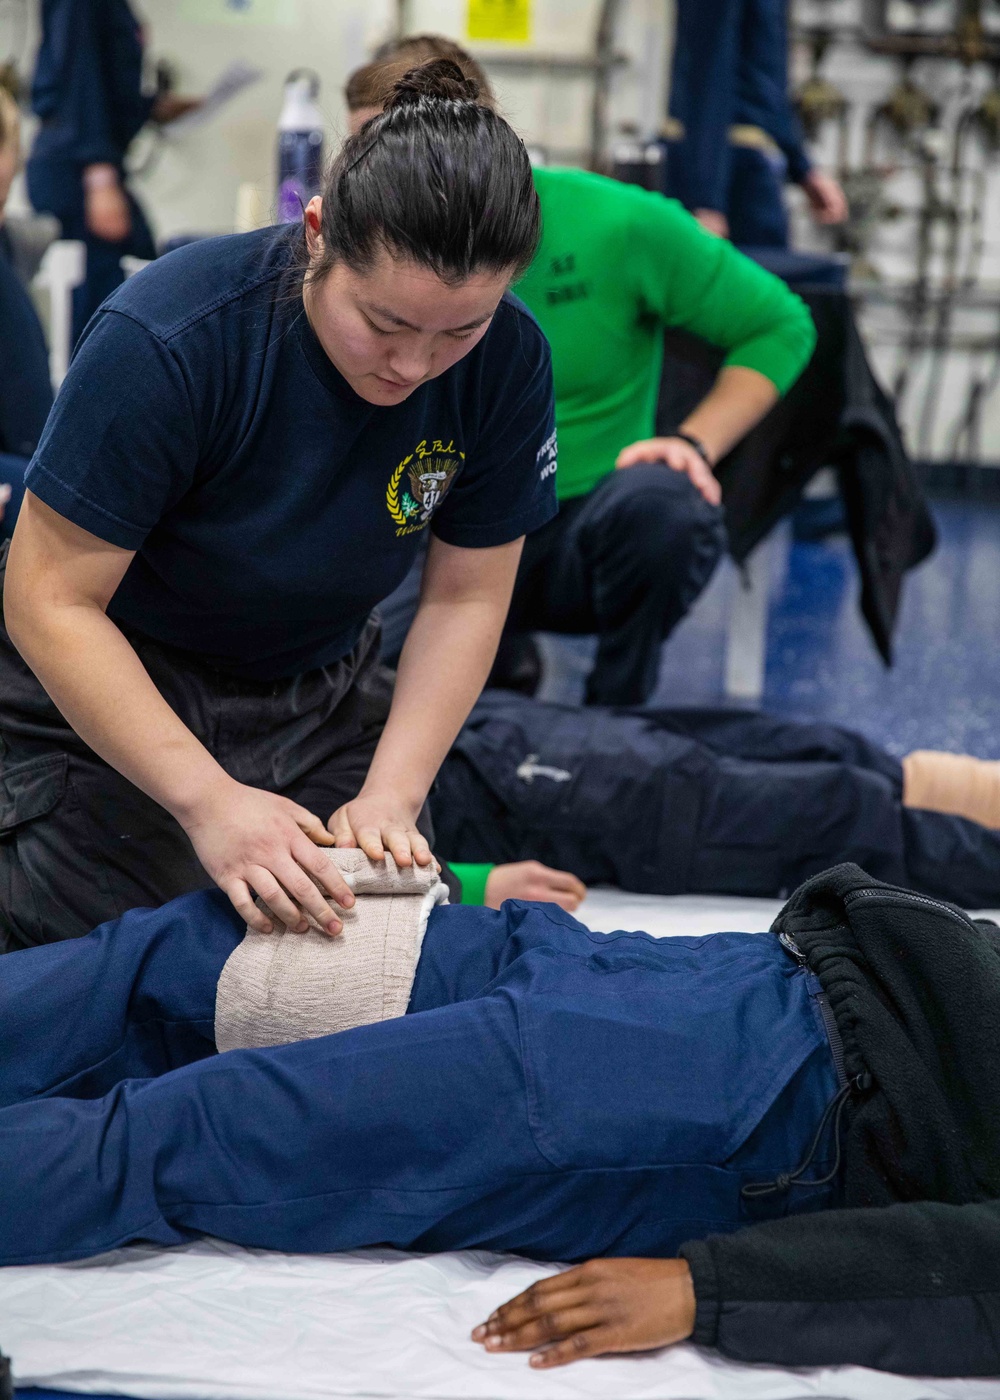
<point>300,145</point>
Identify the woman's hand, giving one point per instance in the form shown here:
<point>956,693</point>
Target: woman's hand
<point>529,879</point>
<point>106,208</point>
<point>603,1306</point>
<point>252,841</point>
<point>681,457</point>
<point>379,823</point>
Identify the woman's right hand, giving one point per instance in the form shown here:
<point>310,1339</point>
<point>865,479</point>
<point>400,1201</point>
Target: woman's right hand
<point>256,842</point>
<point>107,213</point>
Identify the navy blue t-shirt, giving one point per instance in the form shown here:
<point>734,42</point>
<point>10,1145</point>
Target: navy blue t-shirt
<point>272,508</point>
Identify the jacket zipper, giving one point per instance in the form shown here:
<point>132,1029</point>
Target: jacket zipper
<point>826,1010</point>
<point>901,897</point>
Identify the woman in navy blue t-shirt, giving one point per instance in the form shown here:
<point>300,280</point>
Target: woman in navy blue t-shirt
<point>252,440</point>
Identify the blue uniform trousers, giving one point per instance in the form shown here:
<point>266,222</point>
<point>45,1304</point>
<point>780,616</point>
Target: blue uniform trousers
<point>551,1091</point>
<point>758,215</point>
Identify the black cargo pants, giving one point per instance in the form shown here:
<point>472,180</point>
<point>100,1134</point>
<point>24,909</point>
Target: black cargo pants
<point>79,844</point>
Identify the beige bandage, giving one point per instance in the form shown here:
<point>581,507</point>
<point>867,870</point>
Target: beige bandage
<point>954,783</point>
<point>281,986</point>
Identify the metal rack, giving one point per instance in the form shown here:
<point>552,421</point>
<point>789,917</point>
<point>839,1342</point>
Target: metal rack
<point>918,164</point>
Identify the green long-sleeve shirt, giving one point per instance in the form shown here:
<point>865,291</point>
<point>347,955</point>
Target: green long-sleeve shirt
<point>473,881</point>
<point>616,265</point>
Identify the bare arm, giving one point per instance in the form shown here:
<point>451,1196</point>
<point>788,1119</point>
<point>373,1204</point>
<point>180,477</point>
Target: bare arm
<point>59,582</point>
<point>737,402</point>
<point>443,667</point>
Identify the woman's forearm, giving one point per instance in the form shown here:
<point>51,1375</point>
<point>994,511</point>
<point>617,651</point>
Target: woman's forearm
<point>442,670</point>
<point>737,402</point>
<point>58,582</point>
<point>444,665</point>
<point>102,689</point>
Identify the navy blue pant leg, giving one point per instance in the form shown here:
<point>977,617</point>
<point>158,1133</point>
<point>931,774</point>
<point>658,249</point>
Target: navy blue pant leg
<point>404,1132</point>
<point>951,858</point>
<point>756,736</point>
<point>625,561</point>
<point>133,999</point>
<point>585,1094</point>
<point>758,215</point>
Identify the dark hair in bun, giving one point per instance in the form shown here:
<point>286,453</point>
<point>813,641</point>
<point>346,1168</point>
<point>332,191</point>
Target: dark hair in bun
<point>441,80</point>
<point>437,177</point>
<point>372,84</point>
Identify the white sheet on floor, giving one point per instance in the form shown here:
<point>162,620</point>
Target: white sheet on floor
<point>212,1321</point>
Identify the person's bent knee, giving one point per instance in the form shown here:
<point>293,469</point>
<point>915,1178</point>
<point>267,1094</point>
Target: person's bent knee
<point>661,515</point>
<point>654,491</point>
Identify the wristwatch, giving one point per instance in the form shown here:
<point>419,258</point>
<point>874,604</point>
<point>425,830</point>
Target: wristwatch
<point>696,443</point>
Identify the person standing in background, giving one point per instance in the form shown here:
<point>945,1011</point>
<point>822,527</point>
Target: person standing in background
<point>88,93</point>
<point>25,387</point>
<point>741,137</point>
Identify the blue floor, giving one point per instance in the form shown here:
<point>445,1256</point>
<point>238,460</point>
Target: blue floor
<point>943,690</point>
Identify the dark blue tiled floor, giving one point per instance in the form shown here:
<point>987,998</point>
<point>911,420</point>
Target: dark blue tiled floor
<point>944,688</point>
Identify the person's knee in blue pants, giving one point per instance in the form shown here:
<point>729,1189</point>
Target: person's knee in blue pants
<point>576,1094</point>
<point>649,542</point>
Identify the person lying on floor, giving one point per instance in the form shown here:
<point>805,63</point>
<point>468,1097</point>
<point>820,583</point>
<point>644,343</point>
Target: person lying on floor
<point>702,801</point>
<point>785,1146</point>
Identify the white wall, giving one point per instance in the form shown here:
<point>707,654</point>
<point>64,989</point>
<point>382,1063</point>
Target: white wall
<point>193,178</point>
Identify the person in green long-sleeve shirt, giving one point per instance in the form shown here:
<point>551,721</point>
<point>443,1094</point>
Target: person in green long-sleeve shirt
<point>640,529</point>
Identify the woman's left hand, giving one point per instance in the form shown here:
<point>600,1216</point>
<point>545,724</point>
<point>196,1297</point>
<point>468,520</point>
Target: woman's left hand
<point>605,1305</point>
<point>378,824</point>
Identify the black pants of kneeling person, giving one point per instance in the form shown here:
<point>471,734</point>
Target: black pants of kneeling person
<point>626,561</point>
<point>79,844</point>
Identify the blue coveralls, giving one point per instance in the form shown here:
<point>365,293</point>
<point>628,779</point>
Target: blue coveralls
<point>730,68</point>
<point>25,387</point>
<point>552,1091</point>
<point>87,90</point>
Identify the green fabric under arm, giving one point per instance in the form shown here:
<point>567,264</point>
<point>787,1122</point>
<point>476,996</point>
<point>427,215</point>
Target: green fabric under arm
<point>473,878</point>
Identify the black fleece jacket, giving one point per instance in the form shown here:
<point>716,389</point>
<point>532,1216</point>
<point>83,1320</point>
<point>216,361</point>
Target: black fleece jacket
<point>906,1277</point>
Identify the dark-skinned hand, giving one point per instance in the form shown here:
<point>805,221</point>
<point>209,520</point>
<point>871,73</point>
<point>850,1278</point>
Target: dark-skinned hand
<point>605,1305</point>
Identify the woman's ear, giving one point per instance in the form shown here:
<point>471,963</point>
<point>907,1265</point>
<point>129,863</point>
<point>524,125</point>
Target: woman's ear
<point>313,223</point>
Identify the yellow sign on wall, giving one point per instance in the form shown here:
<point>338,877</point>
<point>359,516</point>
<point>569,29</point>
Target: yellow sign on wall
<point>500,21</point>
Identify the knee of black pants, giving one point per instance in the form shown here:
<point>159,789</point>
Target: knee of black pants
<point>662,519</point>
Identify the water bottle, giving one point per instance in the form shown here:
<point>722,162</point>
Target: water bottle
<point>300,145</point>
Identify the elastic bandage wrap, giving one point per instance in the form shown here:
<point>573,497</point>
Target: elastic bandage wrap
<point>953,783</point>
<point>282,986</point>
